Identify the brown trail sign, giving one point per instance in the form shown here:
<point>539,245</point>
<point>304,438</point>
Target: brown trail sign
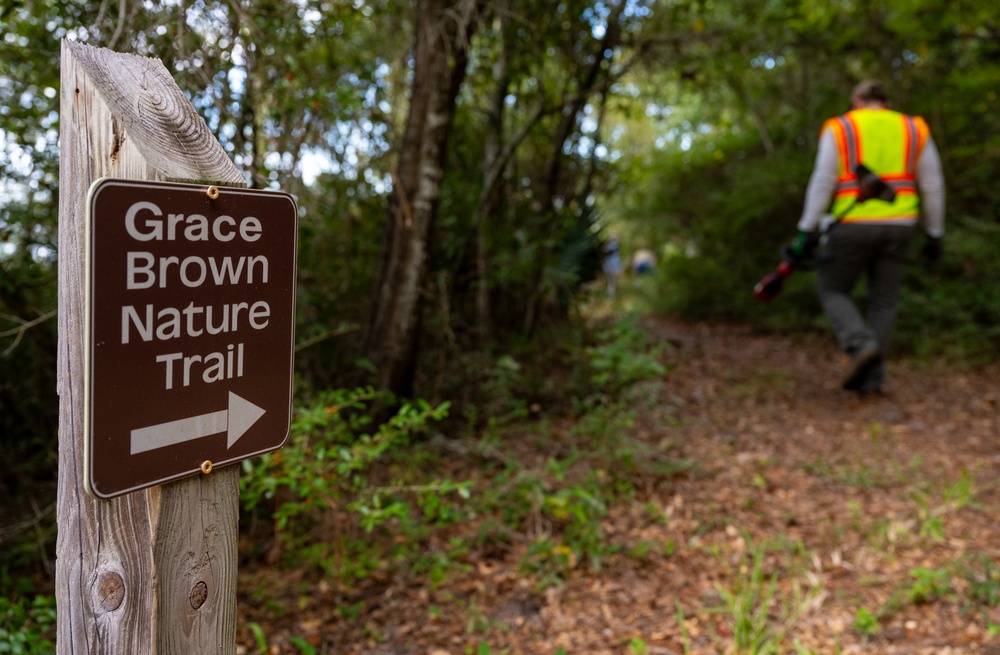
<point>154,571</point>
<point>190,322</point>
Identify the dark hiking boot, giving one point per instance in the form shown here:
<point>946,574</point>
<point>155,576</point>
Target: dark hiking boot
<point>866,359</point>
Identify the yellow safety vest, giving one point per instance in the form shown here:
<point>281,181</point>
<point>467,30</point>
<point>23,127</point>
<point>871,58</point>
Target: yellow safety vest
<point>889,144</point>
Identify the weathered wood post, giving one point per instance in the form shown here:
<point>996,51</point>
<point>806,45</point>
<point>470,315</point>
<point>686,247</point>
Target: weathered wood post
<point>153,571</point>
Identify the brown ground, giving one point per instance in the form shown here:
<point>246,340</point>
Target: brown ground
<point>883,505</point>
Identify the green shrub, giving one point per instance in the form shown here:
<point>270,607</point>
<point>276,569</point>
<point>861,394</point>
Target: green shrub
<point>952,310</point>
<point>623,355</point>
<point>325,470</point>
<point>27,626</point>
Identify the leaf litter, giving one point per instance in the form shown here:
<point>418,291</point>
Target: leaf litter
<point>808,520</point>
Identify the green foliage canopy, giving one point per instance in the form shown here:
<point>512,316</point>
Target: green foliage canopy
<point>685,125</point>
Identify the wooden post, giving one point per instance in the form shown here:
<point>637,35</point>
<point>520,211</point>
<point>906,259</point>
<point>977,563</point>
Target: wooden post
<point>153,571</point>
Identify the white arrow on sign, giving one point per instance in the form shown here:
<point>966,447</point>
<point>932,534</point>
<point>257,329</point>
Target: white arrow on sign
<point>234,421</point>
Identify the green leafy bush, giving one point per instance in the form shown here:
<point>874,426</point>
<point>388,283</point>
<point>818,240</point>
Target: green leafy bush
<point>952,310</point>
<point>623,356</point>
<point>27,626</point>
<point>325,470</point>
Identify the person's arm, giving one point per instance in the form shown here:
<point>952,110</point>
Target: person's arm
<point>822,183</point>
<point>930,181</point>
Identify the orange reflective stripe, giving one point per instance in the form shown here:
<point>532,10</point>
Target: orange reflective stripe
<point>840,138</point>
<point>910,143</point>
<point>854,141</point>
<point>902,183</point>
<point>923,133</point>
<point>908,218</point>
<point>847,146</point>
<point>900,140</point>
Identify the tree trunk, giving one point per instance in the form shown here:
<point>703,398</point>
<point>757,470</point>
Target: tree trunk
<point>443,30</point>
<point>491,174</point>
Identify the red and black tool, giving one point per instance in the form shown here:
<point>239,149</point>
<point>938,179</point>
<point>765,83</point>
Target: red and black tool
<point>870,186</point>
<point>771,284</point>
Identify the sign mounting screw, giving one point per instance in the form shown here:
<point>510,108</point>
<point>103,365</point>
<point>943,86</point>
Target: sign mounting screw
<point>206,467</point>
<point>213,192</point>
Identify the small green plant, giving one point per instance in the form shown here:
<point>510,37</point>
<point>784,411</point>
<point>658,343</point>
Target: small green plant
<point>928,585</point>
<point>865,622</point>
<point>863,475</point>
<point>27,626</point>
<point>351,612</point>
<point>685,638</point>
<point>305,648</point>
<point>259,637</point>
<point>623,356</point>
<point>579,510</point>
<point>478,621</point>
<point>983,577</point>
<point>548,562</point>
<point>604,435</point>
<point>760,616</point>
<point>563,515</point>
<point>961,493</point>
<point>931,511</point>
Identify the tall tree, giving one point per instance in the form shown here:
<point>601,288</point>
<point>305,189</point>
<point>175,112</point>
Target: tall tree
<point>441,53</point>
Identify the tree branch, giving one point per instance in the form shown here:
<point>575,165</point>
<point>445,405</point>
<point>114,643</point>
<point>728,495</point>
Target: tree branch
<point>24,327</point>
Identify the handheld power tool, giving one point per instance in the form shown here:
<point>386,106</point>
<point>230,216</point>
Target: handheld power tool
<point>870,186</point>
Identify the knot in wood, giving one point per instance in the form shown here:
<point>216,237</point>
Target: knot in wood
<point>199,594</point>
<point>111,591</point>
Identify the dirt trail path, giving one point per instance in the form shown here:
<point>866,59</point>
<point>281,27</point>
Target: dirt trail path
<point>886,495</point>
<point>876,519</point>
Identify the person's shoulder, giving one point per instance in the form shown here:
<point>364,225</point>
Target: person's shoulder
<point>833,124</point>
<point>833,121</point>
<point>918,121</point>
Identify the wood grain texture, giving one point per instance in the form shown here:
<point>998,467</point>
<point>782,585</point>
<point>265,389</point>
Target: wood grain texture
<point>126,568</point>
<point>157,117</point>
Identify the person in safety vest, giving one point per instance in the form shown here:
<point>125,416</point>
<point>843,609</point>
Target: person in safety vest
<point>869,236</point>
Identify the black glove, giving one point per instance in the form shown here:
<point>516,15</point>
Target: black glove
<point>932,250</point>
<point>802,251</point>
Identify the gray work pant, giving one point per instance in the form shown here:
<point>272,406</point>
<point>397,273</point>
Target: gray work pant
<point>879,252</point>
